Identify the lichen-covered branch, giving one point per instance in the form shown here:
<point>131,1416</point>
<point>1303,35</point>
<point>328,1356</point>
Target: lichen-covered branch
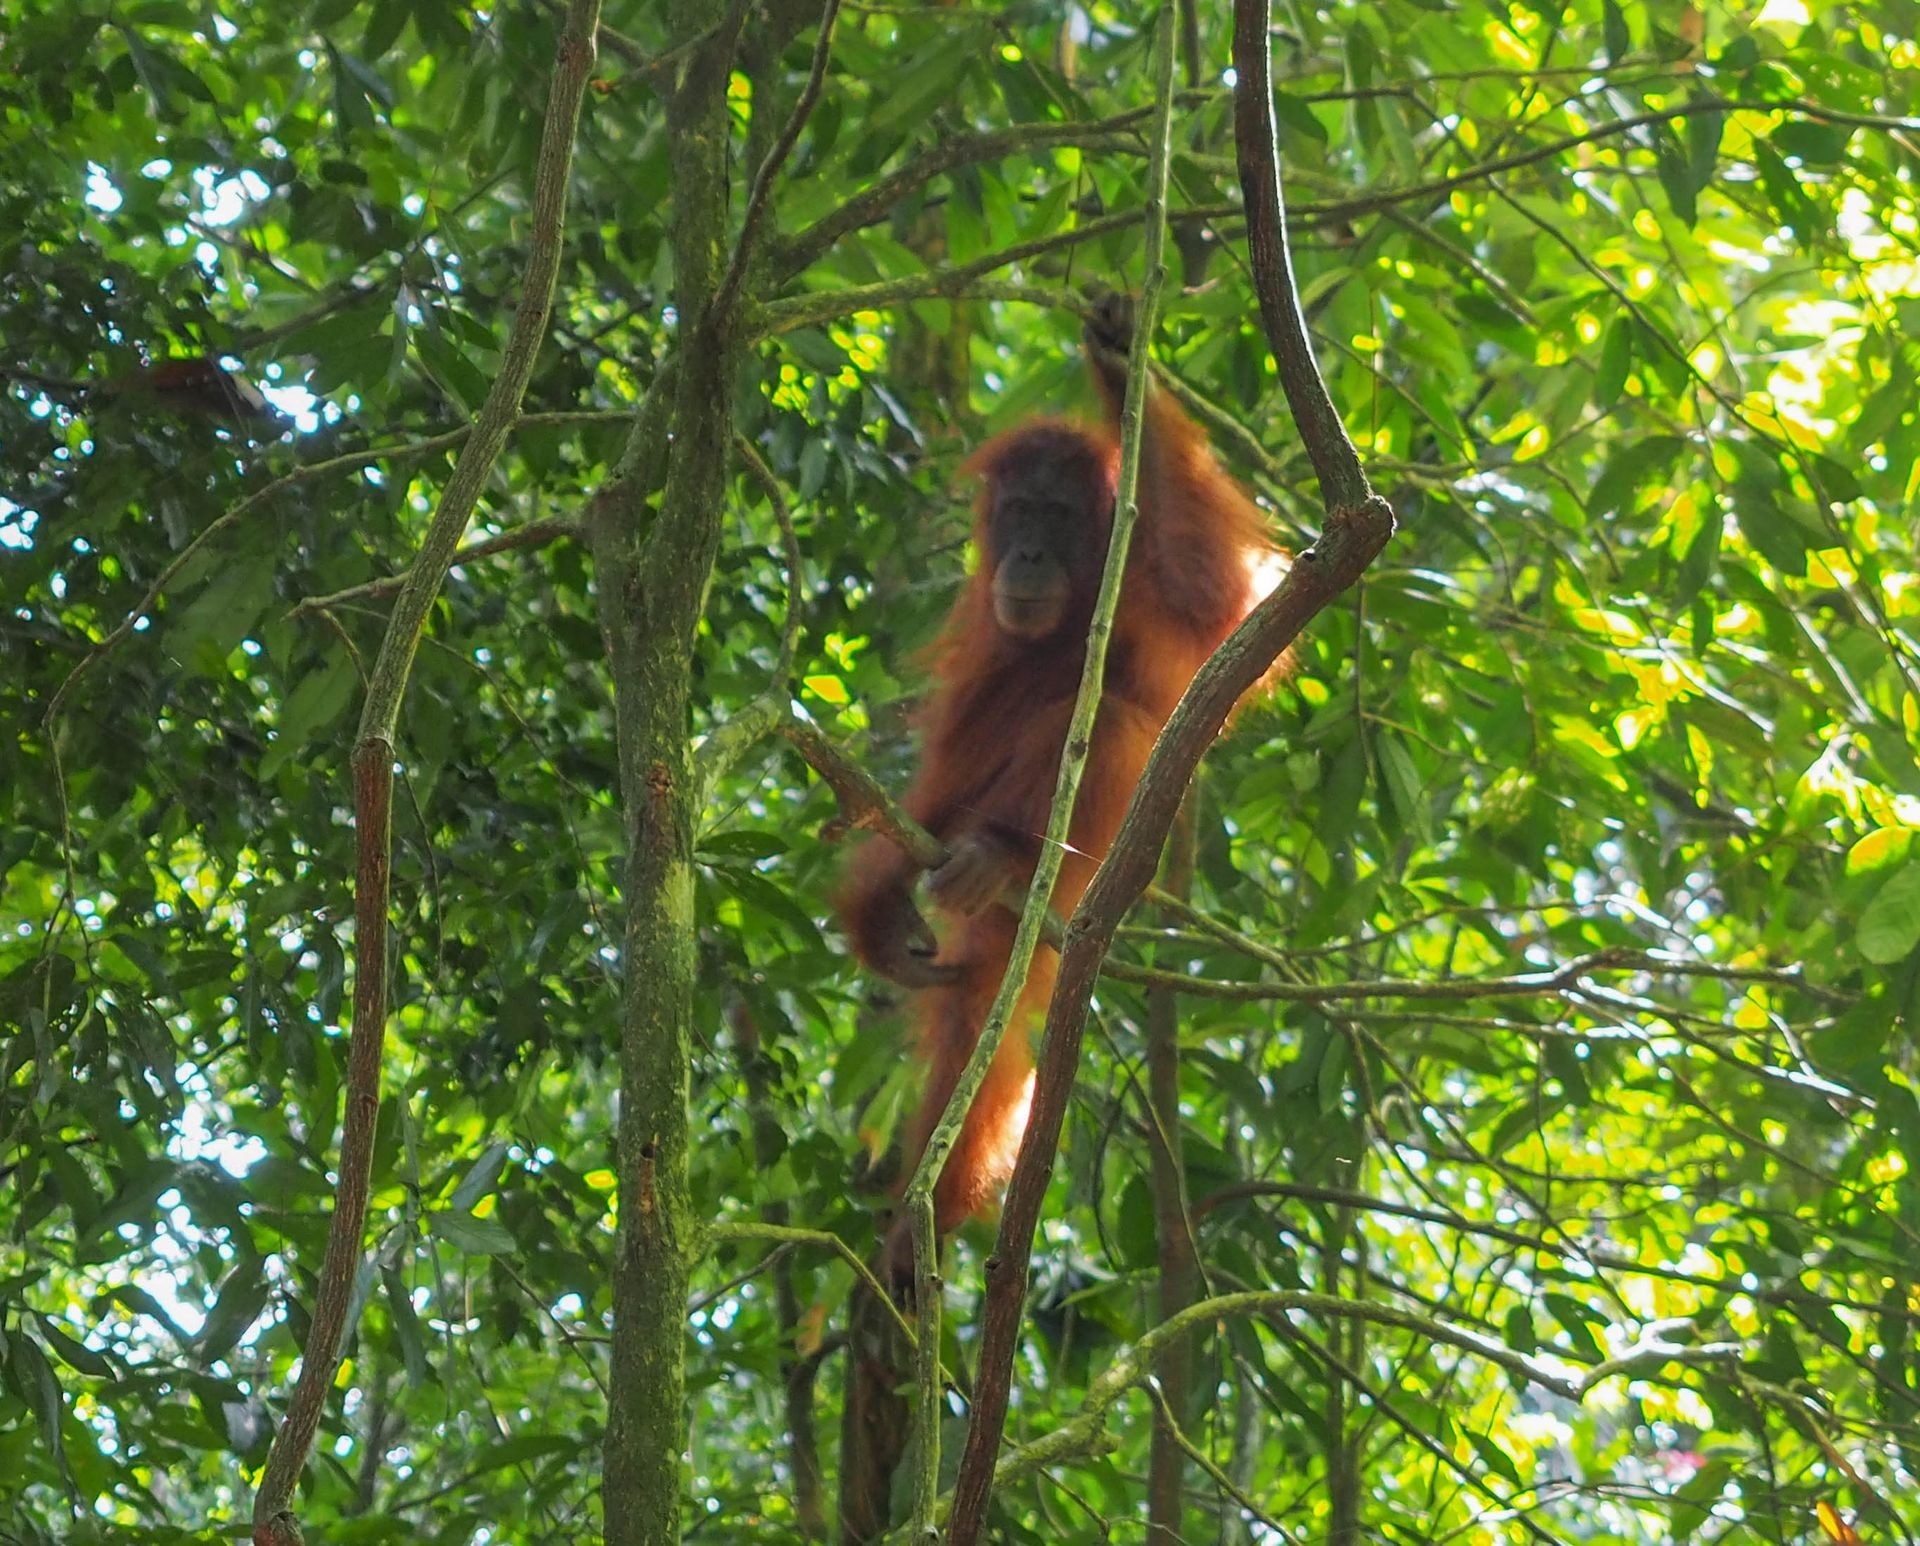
<point>273,1523</point>
<point>652,577</point>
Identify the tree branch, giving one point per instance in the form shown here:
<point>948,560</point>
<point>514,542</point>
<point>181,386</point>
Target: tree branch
<point>1073,758</point>
<point>534,534</point>
<point>1181,1273</point>
<point>273,1522</point>
<point>729,291</point>
<point>1343,485</point>
<point>1133,1366</point>
<point>875,202</point>
<point>1447,989</point>
<point>1439,187</point>
<point>787,1234</point>
<point>961,280</point>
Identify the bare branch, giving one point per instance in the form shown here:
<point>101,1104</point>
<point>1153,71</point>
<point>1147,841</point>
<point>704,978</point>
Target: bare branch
<point>1652,1350</point>
<point>1560,979</point>
<point>786,1234</point>
<point>1439,187</point>
<point>534,534</point>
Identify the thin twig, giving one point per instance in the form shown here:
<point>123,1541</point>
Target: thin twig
<point>728,292</point>
<point>534,534</point>
<point>877,201</point>
<point>789,1234</point>
<point>783,517</point>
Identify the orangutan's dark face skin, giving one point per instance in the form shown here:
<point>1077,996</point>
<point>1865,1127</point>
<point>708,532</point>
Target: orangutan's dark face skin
<point>1042,537</point>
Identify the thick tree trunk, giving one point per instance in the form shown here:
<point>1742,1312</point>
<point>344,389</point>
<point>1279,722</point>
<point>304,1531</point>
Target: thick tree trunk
<point>652,591</point>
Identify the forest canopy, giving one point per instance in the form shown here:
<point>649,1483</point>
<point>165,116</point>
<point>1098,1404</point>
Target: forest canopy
<point>480,486</point>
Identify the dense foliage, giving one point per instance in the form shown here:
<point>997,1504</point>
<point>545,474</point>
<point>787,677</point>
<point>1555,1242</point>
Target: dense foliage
<point>1553,990</point>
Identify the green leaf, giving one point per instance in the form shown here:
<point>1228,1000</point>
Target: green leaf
<point>523,1447</point>
<point>1628,470</point>
<point>1703,146</point>
<point>1692,1504</point>
<point>367,79</point>
<point>225,612</point>
<point>75,1355</point>
<point>1702,553</point>
<point>477,1237</point>
<point>165,78</point>
<point>465,382</point>
<point>1134,1232</point>
<point>919,86</point>
<point>406,1327</point>
<point>317,701</point>
<point>1577,1320</point>
<point>38,1386</point>
<point>242,1296</point>
<point>351,109</point>
<point>1613,23</point>
<point>1493,1456</point>
<point>1405,785</point>
<point>1890,923</point>
<point>383,29</point>
<point>1774,534</point>
<point>749,843</point>
<point>481,1178</point>
<point>1676,176</point>
<point>1812,142</point>
<point>1792,206</point>
<point>1616,359</point>
<point>1292,115</point>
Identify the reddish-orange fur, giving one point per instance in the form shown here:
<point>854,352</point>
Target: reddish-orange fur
<point>996,722</point>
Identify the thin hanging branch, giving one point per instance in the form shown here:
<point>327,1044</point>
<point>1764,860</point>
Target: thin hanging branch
<point>273,1522</point>
<point>1358,525</point>
<point>535,534</point>
<point>918,1202</point>
<point>1181,1272</point>
<point>790,546</point>
<point>728,294</point>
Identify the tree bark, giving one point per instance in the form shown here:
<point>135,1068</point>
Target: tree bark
<point>1173,1223</point>
<point>652,589</point>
